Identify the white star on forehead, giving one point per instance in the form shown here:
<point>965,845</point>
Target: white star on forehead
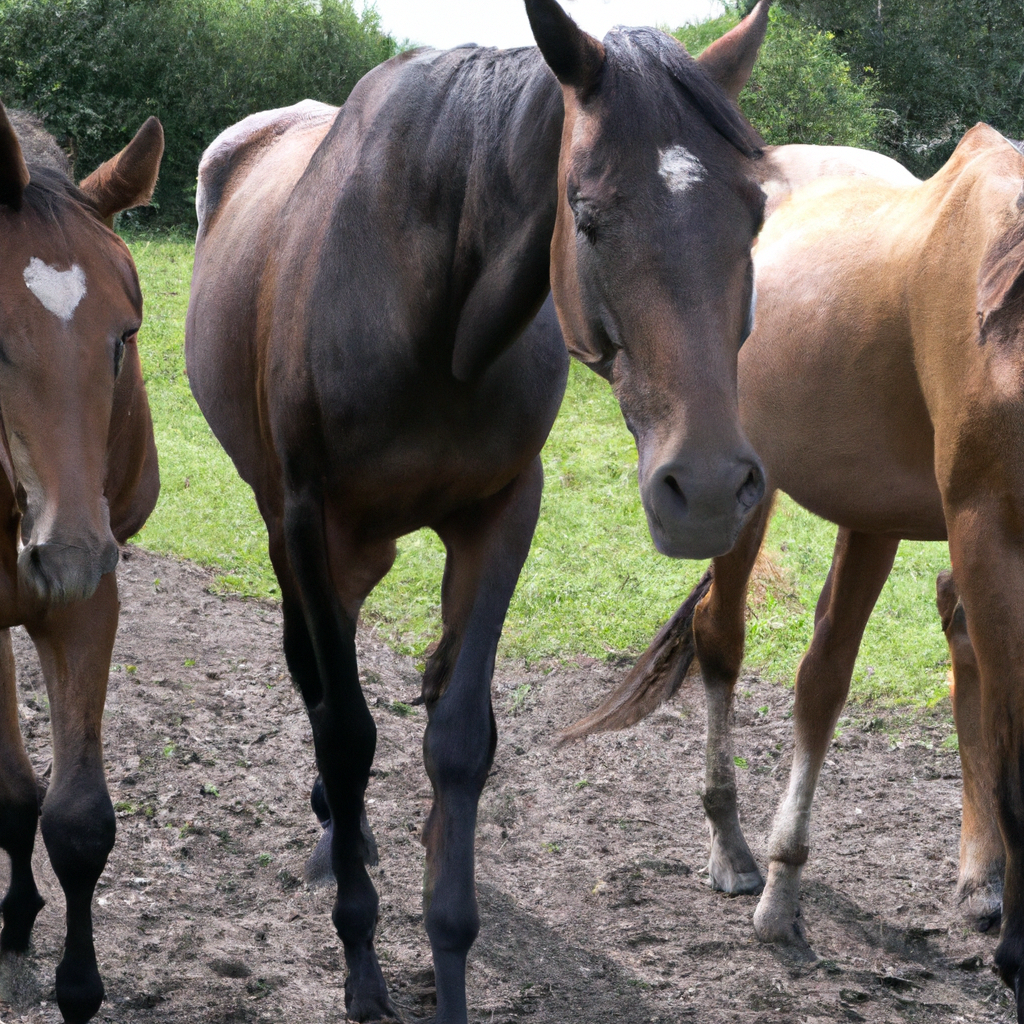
<point>679,168</point>
<point>60,291</point>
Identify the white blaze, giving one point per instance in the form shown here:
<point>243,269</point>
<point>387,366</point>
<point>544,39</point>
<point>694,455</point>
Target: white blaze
<point>679,168</point>
<point>60,291</point>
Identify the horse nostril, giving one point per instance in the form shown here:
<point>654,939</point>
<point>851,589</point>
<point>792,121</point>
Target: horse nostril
<point>752,489</point>
<point>673,485</point>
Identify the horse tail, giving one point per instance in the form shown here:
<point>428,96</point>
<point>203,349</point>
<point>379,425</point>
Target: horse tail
<point>655,678</point>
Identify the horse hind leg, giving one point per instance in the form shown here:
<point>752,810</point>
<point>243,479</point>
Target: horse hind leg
<point>982,854</point>
<point>718,635</point>
<point>19,813</point>
<point>487,545</point>
<point>860,566</point>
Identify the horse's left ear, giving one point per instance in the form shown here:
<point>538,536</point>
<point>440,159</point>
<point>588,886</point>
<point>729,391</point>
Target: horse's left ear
<point>730,59</point>
<point>1001,276</point>
<point>14,174</point>
<point>575,57</point>
<point>129,178</point>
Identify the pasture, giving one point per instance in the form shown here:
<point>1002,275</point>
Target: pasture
<point>590,858</point>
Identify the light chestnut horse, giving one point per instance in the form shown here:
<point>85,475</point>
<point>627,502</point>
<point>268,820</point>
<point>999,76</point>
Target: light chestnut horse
<point>882,388</point>
<point>78,476</point>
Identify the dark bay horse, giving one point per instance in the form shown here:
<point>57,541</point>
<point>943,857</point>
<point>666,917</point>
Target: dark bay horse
<point>369,339</point>
<point>883,387</point>
<point>79,476</point>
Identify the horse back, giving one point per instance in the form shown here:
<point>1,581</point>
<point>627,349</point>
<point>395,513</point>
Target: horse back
<point>245,178</point>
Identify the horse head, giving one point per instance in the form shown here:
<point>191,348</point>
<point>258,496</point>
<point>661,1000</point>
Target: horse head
<point>651,269</point>
<point>70,310</point>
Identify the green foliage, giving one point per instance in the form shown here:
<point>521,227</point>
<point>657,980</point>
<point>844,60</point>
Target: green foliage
<point>801,89</point>
<point>94,70</point>
<point>593,584</point>
<point>939,65</point>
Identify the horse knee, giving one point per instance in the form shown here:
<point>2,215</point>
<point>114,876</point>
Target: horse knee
<point>452,925</point>
<point>458,759</point>
<point>78,826</point>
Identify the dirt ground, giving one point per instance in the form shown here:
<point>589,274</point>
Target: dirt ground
<point>591,860</point>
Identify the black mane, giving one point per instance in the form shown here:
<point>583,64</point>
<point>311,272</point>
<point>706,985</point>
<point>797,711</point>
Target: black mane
<point>635,48</point>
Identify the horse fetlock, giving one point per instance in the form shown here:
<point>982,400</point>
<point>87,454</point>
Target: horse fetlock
<point>731,867</point>
<point>355,908</point>
<point>981,900</point>
<point>20,908</point>
<point>777,918</point>
<point>79,986</point>
<point>720,805</point>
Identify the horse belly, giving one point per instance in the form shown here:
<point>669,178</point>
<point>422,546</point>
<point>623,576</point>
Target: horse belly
<point>849,439</point>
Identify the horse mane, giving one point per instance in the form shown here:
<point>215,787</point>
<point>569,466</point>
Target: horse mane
<point>722,114</point>
<point>50,188</point>
<point>38,146</point>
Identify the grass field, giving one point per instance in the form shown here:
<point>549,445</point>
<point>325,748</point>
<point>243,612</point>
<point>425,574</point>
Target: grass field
<point>593,584</point>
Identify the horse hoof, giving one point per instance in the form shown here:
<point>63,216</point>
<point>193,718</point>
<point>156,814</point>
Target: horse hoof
<point>79,990</point>
<point>783,929</point>
<point>1018,991</point>
<point>367,1007</point>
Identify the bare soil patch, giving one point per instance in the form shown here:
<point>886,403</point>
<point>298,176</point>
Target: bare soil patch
<point>590,859</point>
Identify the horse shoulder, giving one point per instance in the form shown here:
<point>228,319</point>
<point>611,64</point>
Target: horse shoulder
<point>234,153</point>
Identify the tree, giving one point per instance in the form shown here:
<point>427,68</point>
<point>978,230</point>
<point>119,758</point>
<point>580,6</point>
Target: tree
<point>801,89</point>
<point>940,65</point>
<point>94,70</point>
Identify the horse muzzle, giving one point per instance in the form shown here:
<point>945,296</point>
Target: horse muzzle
<point>54,573</point>
<point>698,512</point>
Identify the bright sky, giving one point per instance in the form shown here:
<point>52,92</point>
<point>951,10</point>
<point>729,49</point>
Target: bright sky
<point>446,23</point>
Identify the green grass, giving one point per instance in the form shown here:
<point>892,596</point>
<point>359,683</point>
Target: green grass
<point>593,584</point>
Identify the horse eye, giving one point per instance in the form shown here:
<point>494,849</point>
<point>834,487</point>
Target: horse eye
<point>582,214</point>
<point>119,345</point>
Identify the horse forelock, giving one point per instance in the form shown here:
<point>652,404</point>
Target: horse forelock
<point>50,194</point>
<point>639,52</point>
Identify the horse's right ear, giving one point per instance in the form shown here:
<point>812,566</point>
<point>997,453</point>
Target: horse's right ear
<point>14,174</point>
<point>575,57</point>
<point>730,59</point>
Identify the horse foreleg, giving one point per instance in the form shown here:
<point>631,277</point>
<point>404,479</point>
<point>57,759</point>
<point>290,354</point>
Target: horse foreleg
<point>988,564</point>
<point>487,545</point>
<point>319,643</point>
<point>74,644</point>
<point>718,636</point>
<point>860,566</point>
<point>982,856</point>
<point>19,812</point>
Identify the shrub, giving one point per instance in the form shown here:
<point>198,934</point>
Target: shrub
<point>801,89</point>
<point>94,70</point>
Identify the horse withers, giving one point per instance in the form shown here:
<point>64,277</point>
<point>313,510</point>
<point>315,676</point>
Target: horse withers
<point>79,476</point>
<point>364,338</point>
<point>882,387</point>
